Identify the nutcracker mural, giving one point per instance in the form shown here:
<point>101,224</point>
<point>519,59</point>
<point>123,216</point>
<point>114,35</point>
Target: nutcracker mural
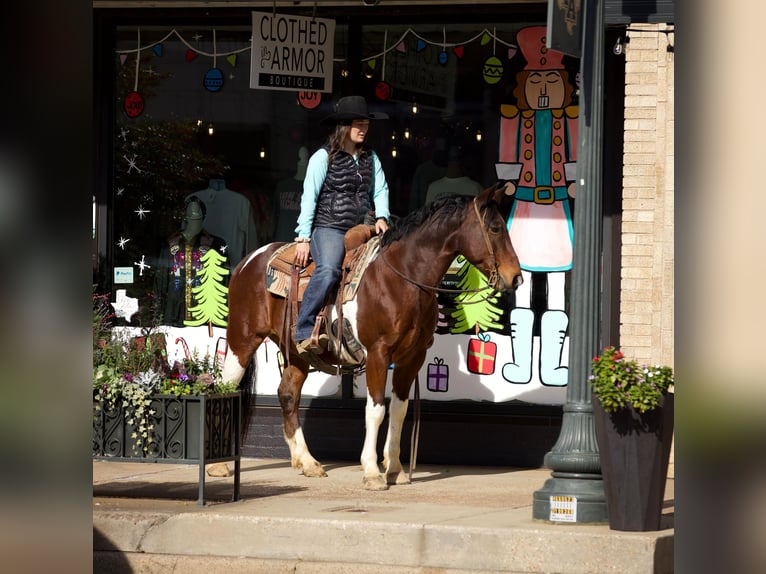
<point>537,157</point>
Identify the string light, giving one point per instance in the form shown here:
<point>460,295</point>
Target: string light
<point>393,151</point>
<point>262,155</point>
<point>478,135</point>
<point>393,136</point>
<point>414,107</point>
<point>199,123</point>
<point>210,129</point>
<point>406,133</point>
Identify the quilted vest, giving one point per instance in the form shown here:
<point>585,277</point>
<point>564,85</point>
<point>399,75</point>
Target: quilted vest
<point>345,196</point>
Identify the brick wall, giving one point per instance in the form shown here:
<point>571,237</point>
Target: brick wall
<point>646,312</point>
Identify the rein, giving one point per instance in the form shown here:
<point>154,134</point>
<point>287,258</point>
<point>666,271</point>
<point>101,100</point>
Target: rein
<point>491,279</point>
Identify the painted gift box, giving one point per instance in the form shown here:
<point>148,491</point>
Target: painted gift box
<point>481,355</point>
<point>438,376</point>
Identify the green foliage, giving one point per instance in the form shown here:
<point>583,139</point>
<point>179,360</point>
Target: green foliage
<point>617,382</point>
<point>128,371</point>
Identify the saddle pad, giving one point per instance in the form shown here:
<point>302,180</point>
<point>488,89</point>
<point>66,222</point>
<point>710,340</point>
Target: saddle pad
<point>279,268</point>
<point>368,252</point>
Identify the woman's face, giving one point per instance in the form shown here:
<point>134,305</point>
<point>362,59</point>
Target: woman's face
<point>358,131</point>
<point>545,90</point>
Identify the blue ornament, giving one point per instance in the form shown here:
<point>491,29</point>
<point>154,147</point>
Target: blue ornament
<point>442,58</point>
<point>213,80</point>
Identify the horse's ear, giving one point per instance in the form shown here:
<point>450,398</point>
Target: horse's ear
<point>498,194</point>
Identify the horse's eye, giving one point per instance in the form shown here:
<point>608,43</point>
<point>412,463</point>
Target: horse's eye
<point>495,228</point>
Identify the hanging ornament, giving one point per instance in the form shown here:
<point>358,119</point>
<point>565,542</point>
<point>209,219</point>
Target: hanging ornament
<point>458,51</point>
<point>383,91</point>
<point>134,102</point>
<point>213,80</point>
<point>214,77</point>
<point>157,50</point>
<point>443,54</point>
<point>309,100</point>
<point>190,55</point>
<point>383,88</point>
<point>493,68</point>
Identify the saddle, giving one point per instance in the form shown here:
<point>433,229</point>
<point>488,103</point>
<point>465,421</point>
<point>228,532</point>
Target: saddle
<point>360,244</point>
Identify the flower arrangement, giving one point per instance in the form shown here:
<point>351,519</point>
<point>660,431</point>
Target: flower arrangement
<point>617,382</point>
<point>128,370</point>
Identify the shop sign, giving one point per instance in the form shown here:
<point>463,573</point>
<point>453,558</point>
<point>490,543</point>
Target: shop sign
<point>292,53</point>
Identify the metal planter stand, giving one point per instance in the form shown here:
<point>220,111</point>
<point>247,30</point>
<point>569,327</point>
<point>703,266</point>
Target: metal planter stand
<point>188,429</point>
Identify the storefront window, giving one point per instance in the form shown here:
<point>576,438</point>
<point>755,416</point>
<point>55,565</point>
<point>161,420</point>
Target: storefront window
<point>202,162</point>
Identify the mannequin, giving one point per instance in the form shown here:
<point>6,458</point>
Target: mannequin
<point>454,182</point>
<point>180,268</point>
<point>229,215</point>
<point>193,219</point>
<point>288,199</point>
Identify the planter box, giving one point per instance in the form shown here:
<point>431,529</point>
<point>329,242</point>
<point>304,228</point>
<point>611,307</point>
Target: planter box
<point>635,451</point>
<point>189,429</point>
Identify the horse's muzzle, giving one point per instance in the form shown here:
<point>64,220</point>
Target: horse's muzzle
<point>499,284</point>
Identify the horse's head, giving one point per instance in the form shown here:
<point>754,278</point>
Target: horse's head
<point>489,247</point>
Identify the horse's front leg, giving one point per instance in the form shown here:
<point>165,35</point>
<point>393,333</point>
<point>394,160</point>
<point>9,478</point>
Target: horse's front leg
<point>397,410</point>
<point>289,393</point>
<point>374,413</point>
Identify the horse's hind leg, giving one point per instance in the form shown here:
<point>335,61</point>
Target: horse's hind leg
<point>289,393</point>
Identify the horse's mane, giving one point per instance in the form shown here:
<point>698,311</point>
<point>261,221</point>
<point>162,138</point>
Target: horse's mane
<point>439,210</point>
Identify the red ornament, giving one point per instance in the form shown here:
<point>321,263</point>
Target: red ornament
<point>309,100</point>
<point>383,91</point>
<point>134,104</point>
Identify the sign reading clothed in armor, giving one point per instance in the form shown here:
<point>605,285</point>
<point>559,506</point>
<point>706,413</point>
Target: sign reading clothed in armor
<point>292,53</point>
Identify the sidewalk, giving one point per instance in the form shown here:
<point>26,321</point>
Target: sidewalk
<point>449,520</point>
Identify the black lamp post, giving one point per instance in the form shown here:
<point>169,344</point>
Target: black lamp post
<point>575,491</point>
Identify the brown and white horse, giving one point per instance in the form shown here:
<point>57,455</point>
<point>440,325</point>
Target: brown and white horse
<point>394,315</point>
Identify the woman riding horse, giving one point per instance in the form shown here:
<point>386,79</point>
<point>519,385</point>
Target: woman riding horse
<point>393,315</point>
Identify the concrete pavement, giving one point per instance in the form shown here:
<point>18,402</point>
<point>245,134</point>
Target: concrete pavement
<point>449,520</point>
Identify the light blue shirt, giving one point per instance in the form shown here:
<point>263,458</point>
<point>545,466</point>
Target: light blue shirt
<point>316,171</point>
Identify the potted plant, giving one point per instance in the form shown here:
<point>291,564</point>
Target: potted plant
<point>633,415</point>
<point>146,410</point>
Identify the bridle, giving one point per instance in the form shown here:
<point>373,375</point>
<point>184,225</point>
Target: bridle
<point>491,280</point>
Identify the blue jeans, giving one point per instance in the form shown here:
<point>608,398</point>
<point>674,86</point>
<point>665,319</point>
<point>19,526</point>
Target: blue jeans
<point>327,250</point>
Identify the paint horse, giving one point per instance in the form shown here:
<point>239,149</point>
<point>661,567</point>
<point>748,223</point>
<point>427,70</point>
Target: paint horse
<point>393,316</point>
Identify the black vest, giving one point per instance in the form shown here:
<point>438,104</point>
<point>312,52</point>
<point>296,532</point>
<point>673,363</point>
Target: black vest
<point>345,197</point>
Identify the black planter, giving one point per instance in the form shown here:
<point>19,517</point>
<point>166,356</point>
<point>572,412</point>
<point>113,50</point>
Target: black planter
<point>199,429</point>
<point>635,451</point>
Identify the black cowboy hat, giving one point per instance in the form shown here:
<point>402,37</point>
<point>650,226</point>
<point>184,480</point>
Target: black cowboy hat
<point>351,108</point>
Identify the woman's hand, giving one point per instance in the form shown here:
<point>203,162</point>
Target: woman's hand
<point>302,254</point>
<point>380,226</point>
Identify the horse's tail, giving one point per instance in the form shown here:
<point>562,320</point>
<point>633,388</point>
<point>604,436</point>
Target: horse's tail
<point>247,388</point>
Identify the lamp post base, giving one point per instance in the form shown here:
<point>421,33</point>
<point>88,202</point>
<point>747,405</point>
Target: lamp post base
<point>571,500</point>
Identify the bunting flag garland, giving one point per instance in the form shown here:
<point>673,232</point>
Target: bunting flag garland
<point>157,50</point>
<point>190,55</point>
<point>232,59</point>
<point>123,58</point>
<point>458,51</point>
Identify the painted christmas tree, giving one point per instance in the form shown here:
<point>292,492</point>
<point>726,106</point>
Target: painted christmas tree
<point>475,308</point>
<point>211,294</point>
